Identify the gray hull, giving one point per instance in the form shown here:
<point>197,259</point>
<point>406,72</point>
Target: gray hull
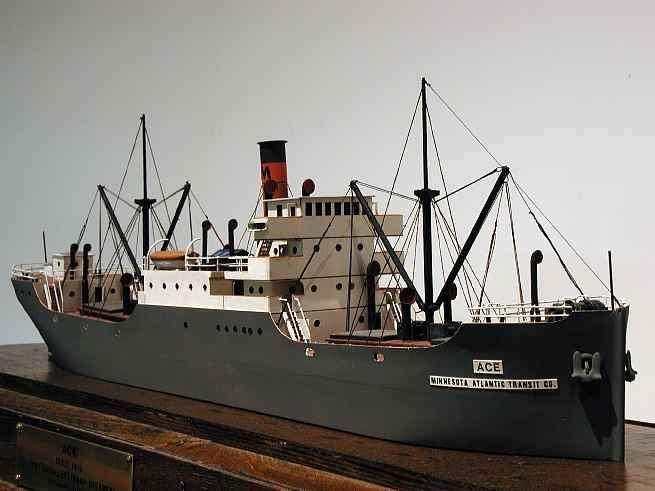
<point>187,351</point>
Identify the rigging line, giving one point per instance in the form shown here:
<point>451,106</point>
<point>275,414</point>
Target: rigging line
<point>315,249</point>
<point>412,219</point>
<point>403,247</point>
<point>252,215</point>
<point>81,234</point>
<point>400,162</point>
<point>492,247</point>
<point>161,188</point>
<point>443,179</point>
<point>167,197</point>
<point>566,270</point>
<point>129,161</point>
<point>86,220</point>
<point>207,218</point>
<point>414,233</point>
<point>115,255</point>
<point>521,193</point>
<point>118,198</point>
<point>382,190</point>
<point>446,196</point>
<point>466,293</point>
<point>119,255</point>
<point>467,298</point>
<point>461,121</point>
<point>162,231</point>
<point>477,279</point>
<point>468,283</point>
<point>516,257</point>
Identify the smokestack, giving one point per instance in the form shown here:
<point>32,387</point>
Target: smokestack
<point>273,159</point>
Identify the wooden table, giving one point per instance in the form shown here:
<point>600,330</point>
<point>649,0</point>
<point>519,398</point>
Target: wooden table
<point>185,444</point>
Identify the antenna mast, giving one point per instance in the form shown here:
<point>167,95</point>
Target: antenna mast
<point>426,195</point>
<point>145,203</point>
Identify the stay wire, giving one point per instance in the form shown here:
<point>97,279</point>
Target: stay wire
<point>461,121</point>
<point>516,257</point>
<point>543,231</point>
<point>207,218</point>
<point>492,246</point>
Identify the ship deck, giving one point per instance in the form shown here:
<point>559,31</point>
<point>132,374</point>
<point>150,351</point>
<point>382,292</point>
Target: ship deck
<point>242,443</point>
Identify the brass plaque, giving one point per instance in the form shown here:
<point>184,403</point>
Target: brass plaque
<point>49,461</point>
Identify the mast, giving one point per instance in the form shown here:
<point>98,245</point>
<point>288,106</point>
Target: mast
<point>426,195</point>
<point>145,202</point>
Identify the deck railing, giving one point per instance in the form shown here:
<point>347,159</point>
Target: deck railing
<point>549,311</point>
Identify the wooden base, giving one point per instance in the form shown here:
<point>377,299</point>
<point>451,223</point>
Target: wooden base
<point>185,444</point>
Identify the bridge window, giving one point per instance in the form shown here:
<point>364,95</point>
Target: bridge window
<point>292,211</point>
<point>328,209</point>
<point>346,208</point>
<point>279,210</point>
<point>337,208</point>
<point>308,209</point>
<point>319,209</point>
<point>355,208</point>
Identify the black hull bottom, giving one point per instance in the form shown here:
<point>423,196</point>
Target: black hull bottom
<point>188,352</point>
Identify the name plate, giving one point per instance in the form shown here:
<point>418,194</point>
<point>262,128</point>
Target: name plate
<point>48,460</point>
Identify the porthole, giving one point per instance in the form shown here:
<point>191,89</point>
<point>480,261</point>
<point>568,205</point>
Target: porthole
<point>235,328</point>
<point>251,289</point>
<point>163,285</point>
<point>71,294</point>
<point>204,287</point>
<point>243,330</point>
<point>177,286</point>
<point>378,357</point>
<point>338,247</point>
<point>29,293</point>
<point>150,284</point>
<point>275,251</point>
<point>218,328</point>
<point>295,250</point>
<point>250,331</point>
<point>260,331</point>
<point>314,288</point>
<point>186,325</point>
<point>317,323</point>
<point>361,319</point>
<point>317,248</point>
<point>261,290</point>
<point>360,247</point>
<point>190,286</point>
<point>227,328</point>
<point>112,291</point>
<point>339,286</point>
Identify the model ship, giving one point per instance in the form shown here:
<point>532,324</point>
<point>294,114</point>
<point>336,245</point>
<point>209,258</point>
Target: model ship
<point>300,324</point>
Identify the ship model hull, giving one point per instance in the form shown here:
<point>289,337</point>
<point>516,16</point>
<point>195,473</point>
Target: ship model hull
<point>240,359</point>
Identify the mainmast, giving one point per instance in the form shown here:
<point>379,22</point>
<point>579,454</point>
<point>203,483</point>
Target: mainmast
<point>145,203</point>
<point>426,195</point>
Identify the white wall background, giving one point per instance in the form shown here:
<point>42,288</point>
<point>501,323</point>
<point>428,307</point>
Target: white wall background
<point>563,92</point>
